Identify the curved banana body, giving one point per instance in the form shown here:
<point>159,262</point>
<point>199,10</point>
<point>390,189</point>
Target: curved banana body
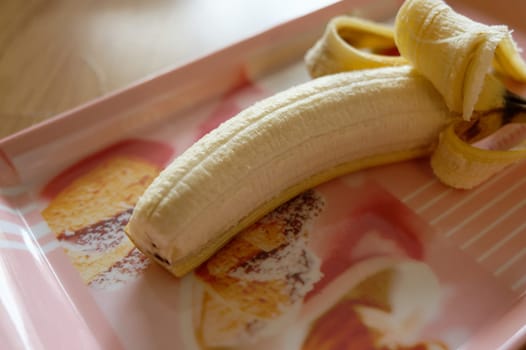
<point>327,127</point>
<point>278,148</point>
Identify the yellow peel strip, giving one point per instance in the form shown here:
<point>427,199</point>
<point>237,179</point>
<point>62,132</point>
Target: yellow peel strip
<point>351,43</point>
<point>465,166</point>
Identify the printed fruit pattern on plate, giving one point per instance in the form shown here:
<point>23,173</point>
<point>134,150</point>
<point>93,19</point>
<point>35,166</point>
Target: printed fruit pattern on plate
<point>342,266</point>
<point>91,203</point>
<point>344,262</point>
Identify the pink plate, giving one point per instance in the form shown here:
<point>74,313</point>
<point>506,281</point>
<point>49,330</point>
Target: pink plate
<point>386,258</point>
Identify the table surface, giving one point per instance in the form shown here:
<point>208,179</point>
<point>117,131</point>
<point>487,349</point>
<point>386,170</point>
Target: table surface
<point>57,55</point>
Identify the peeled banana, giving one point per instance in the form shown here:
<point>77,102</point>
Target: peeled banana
<point>319,130</point>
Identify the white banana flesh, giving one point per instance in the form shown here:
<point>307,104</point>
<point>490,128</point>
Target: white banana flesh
<point>278,148</point>
<point>302,137</point>
<point>465,50</point>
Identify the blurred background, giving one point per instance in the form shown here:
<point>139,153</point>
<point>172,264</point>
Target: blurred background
<point>58,54</point>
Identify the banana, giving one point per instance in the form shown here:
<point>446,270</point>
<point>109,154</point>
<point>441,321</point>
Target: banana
<point>301,137</point>
<point>278,148</point>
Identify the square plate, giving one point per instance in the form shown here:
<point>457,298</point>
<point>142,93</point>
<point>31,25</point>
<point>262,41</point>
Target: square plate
<point>387,255</point>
